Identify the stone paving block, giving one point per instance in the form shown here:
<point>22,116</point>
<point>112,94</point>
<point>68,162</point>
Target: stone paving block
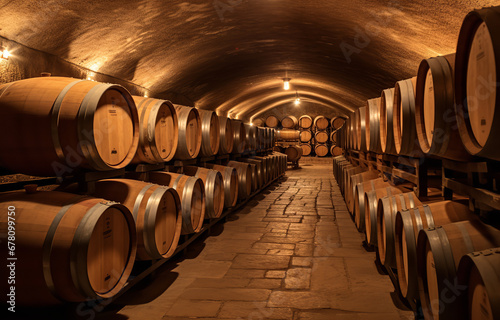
<point>245,273</point>
<point>298,278</point>
<point>265,283</point>
<point>302,261</point>
<point>254,261</point>
<point>298,300</point>
<point>281,252</point>
<point>271,245</point>
<point>287,239</point>
<point>184,308</point>
<point>275,235</point>
<point>329,314</point>
<point>253,310</point>
<point>203,268</point>
<point>223,256</point>
<point>304,250</point>
<point>291,220</point>
<point>275,274</point>
<point>226,294</point>
<point>220,283</point>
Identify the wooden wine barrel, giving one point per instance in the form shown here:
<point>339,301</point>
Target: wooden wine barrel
<point>69,248</point>
<point>230,181</point>
<point>305,122</point>
<point>477,73</point>
<point>293,153</point>
<point>337,122</point>
<point>158,130</point>
<point>321,123</point>
<point>255,175</point>
<point>259,122</point>
<point>335,151</point>
<point>261,170</point>
<point>343,171</point>
<point>321,150</point>
<point>359,199</point>
<point>189,144</point>
<point>351,186</point>
<point>386,121</point>
<point>210,133</point>
<point>361,129</point>
<point>387,209</point>
<point>305,136</point>
<point>272,121</point>
<point>372,125</point>
<point>287,135</point>
<point>272,137</point>
<point>244,178</point>
<point>479,272</point>
<point>260,138</point>
<point>214,189</point>
<point>289,122</point>
<point>192,194</point>
<point>321,137</point>
<point>348,189</point>
<point>66,123</point>
<point>226,135</point>
<point>265,168</point>
<point>306,149</point>
<point>407,225</point>
<point>250,137</point>
<point>156,210</point>
<point>333,137</point>
<point>352,138</point>
<point>436,125</point>
<point>439,251</point>
<point>404,128</point>
<point>239,137</point>
<point>371,205</point>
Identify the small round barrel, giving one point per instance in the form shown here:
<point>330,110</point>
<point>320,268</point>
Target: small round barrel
<point>372,129</point>
<point>359,199</point>
<point>439,252</point>
<point>404,128</point>
<point>305,122</point>
<point>361,129</point>
<point>436,125</point>
<point>226,135</point>
<point>287,135</point>
<point>387,209</point>
<point>210,133</point>
<point>192,194</point>
<point>189,144</point>
<point>321,123</point>
<point>386,121</point>
<point>244,178</point>
<point>305,136</point>
<point>214,189</point>
<point>69,248</point>
<point>158,130</point>
<point>230,179</point>
<point>407,225</point>
<point>289,122</point>
<point>321,150</point>
<point>293,153</point>
<point>479,272</point>
<point>272,121</point>
<point>239,136</point>
<point>333,137</point>
<point>337,122</point>
<point>258,122</point>
<point>371,205</point>
<point>336,151</point>
<point>156,210</point>
<point>477,70</point>
<point>306,149</point>
<point>321,137</point>
<point>66,123</point>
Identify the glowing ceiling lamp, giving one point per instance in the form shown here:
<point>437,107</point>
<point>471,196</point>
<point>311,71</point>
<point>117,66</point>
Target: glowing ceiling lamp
<point>297,98</point>
<point>5,54</point>
<point>286,83</point>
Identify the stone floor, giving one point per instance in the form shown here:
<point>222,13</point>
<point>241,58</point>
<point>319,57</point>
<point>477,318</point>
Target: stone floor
<point>291,253</point>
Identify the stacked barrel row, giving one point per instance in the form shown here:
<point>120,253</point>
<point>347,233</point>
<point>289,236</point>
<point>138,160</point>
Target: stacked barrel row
<point>70,246</point>
<point>68,123</point>
<point>444,257</point>
<point>316,136</point>
<point>430,244</point>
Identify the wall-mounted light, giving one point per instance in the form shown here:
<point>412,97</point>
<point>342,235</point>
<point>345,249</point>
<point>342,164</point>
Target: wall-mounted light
<point>5,54</point>
<point>251,124</point>
<point>286,83</point>
<point>297,98</point>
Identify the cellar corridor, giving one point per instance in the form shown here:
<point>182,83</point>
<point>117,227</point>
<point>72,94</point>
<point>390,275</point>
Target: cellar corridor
<point>291,253</point>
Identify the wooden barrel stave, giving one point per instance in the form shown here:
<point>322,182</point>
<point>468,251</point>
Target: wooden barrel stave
<point>226,135</point>
<point>190,138</point>
<point>210,133</point>
<point>214,189</point>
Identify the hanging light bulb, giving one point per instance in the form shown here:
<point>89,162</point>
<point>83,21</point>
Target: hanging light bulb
<point>5,54</point>
<point>286,83</point>
<point>297,98</point>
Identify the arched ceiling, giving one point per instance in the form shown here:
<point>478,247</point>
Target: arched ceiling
<point>231,55</point>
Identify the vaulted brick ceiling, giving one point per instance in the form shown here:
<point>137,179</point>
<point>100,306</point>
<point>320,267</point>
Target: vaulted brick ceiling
<point>231,55</point>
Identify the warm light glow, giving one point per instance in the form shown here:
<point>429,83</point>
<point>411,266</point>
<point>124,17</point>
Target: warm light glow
<point>251,124</point>
<point>146,95</point>
<point>286,84</point>
<point>297,101</point>
<point>5,54</point>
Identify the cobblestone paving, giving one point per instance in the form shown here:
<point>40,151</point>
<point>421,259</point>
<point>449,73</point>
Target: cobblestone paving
<point>291,253</point>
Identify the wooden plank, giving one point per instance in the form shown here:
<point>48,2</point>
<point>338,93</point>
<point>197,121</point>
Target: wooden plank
<point>405,175</point>
<point>10,186</point>
<point>489,198</point>
<point>465,167</point>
